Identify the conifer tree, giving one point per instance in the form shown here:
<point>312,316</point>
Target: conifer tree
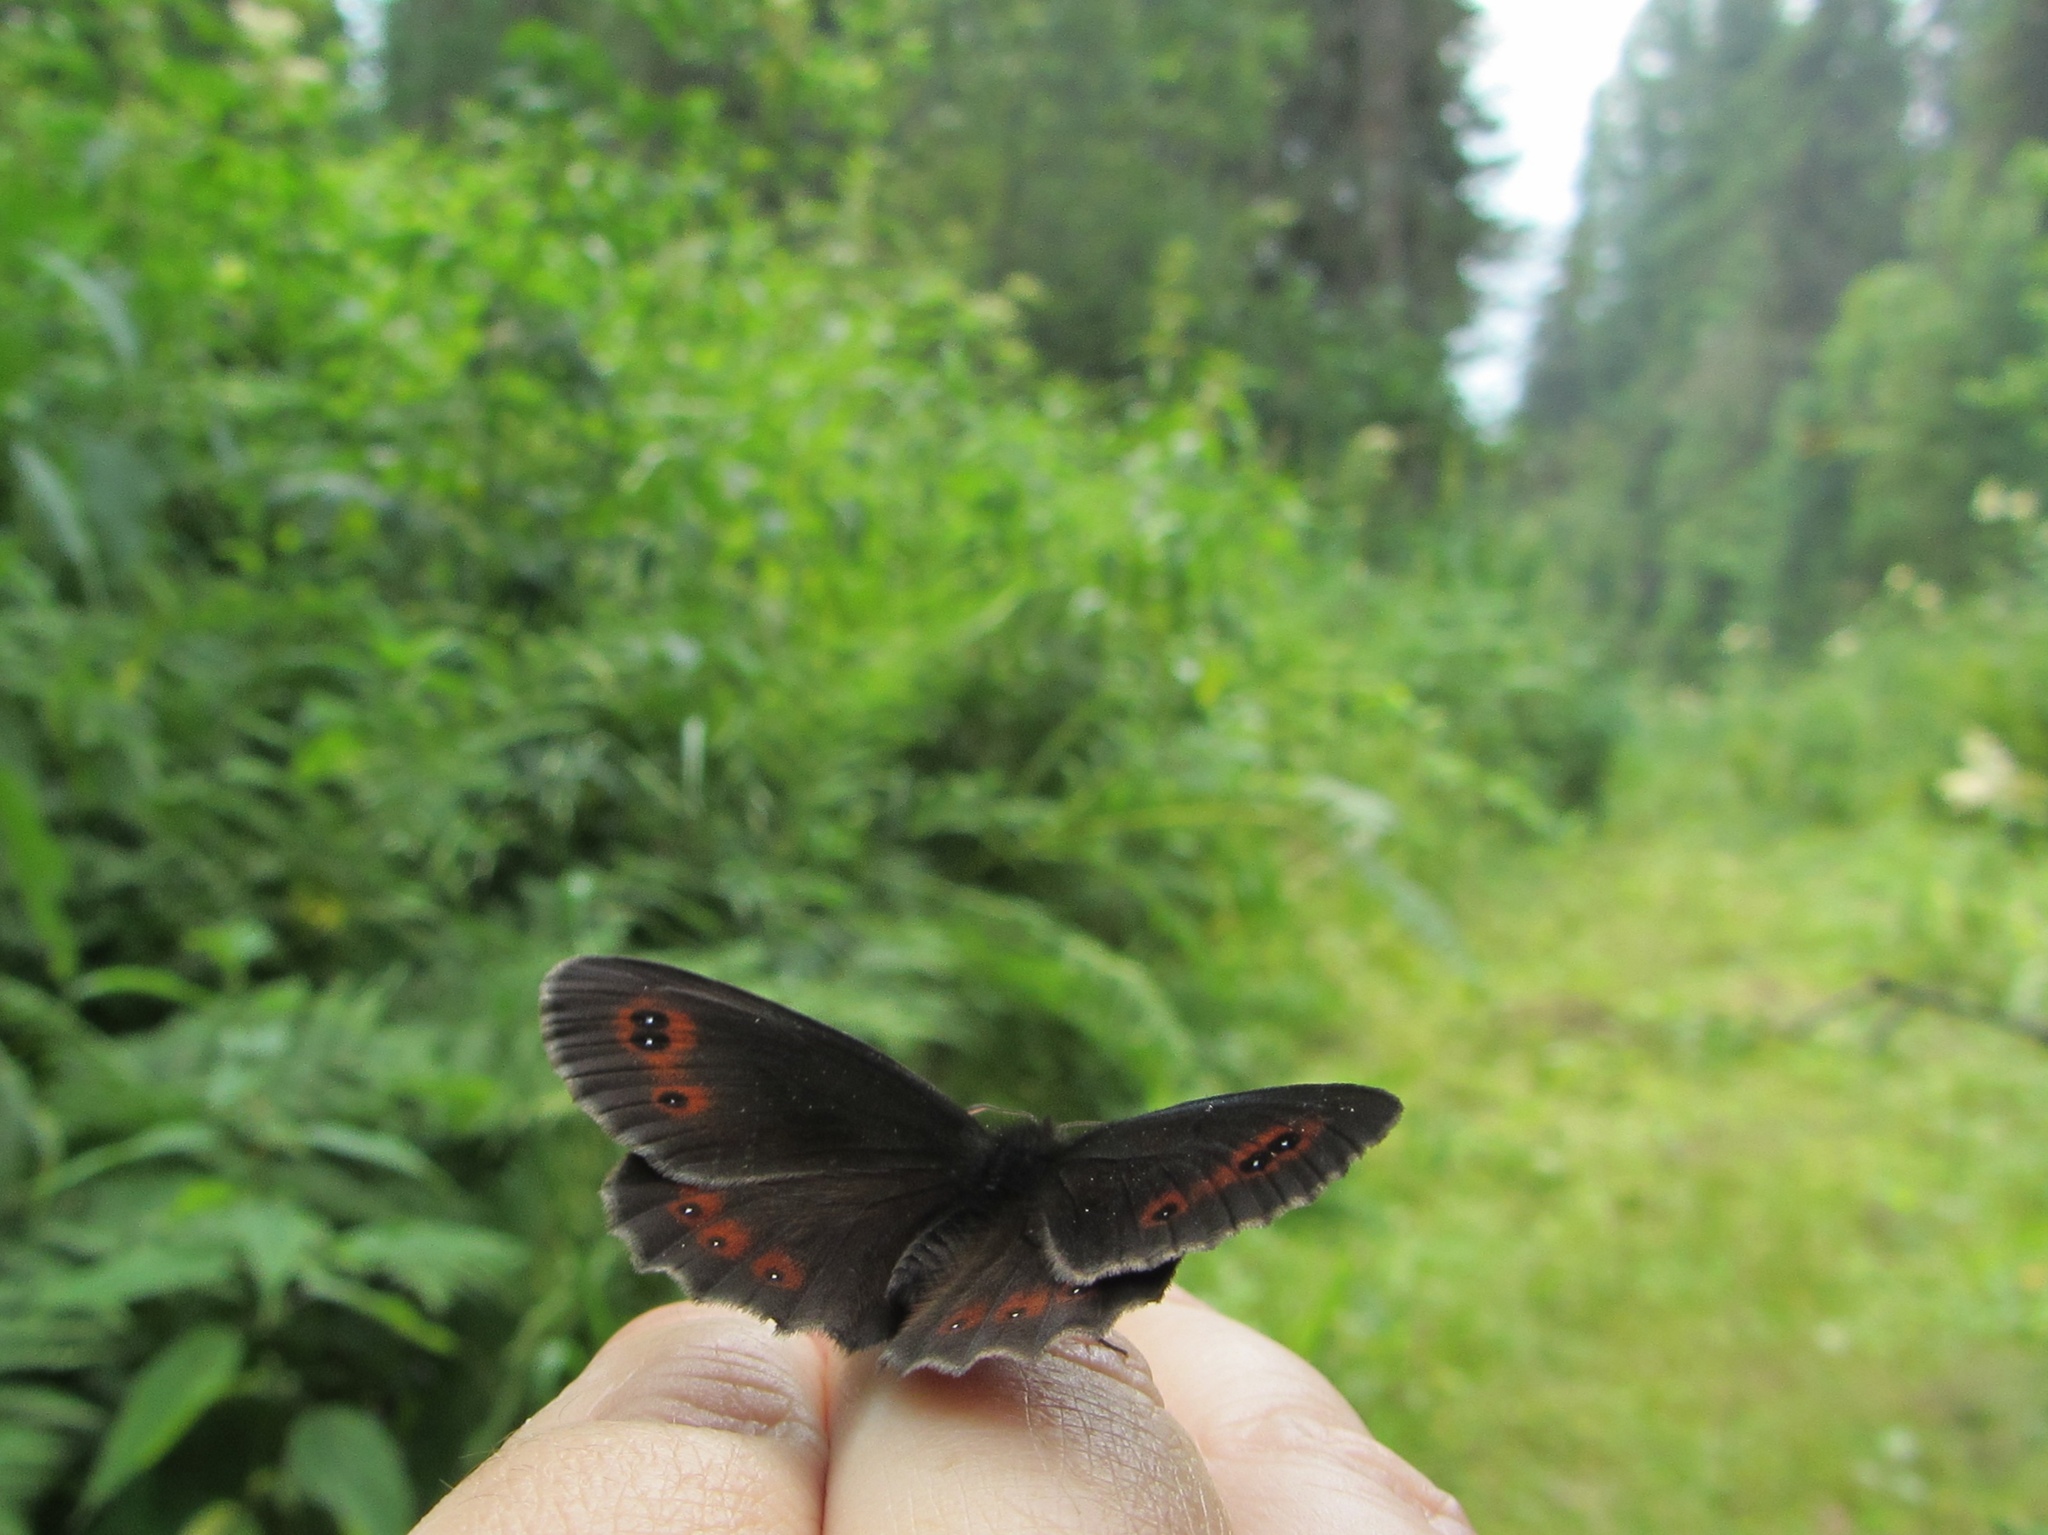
<point>1746,166</point>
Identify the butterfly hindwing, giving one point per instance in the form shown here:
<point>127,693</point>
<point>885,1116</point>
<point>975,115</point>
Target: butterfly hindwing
<point>709,1082</point>
<point>1140,1192</point>
<point>1000,1294</point>
<point>808,1252</point>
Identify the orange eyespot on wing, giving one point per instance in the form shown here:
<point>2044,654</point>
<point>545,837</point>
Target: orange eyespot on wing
<point>693,1207</point>
<point>726,1238</point>
<point>1025,1304</point>
<point>802,1258</point>
<point>779,1269</point>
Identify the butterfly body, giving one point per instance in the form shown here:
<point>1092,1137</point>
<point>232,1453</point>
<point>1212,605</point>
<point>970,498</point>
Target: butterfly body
<point>790,1169</point>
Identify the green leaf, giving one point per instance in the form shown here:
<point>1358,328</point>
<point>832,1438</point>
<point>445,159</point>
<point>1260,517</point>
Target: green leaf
<point>225,1517</point>
<point>33,1013</point>
<point>28,1132</point>
<point>37,862</point>
<point>51,495</point>
<point>31,1459</point>
<point>275,1238</point>
<point>372,1148</point>
<point>47,1407</point>
<point>102,300</point>
<point>32,1340</point>
<point>436,1260</point>
<point>346,1461</point>
<point>137,981</point>
<point>165,1399</point>
<point>392,1311</point>
<point>140,1273</point>
<point>179,1140</point>
<point>1363,818</point>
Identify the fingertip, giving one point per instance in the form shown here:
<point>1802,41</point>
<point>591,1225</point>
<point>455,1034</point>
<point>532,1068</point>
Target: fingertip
<point>1286,1450</point>
<point>699,1366</point>
<point>692,1418</point>
<point>1077,1440</point>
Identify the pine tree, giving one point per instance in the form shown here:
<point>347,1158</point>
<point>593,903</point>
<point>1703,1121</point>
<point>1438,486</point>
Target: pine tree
<point>1745,168</point>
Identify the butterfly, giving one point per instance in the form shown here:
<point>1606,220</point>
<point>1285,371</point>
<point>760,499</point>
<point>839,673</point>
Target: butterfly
<point>787,1168</point>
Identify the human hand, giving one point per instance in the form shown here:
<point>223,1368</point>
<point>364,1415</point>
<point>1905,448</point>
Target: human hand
<point>700,1420</point>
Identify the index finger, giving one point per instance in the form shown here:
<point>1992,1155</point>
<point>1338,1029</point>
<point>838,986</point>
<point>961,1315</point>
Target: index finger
<point>1285,1450</point>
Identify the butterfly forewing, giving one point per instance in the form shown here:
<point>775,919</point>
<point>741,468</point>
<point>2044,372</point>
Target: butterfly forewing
<point>1002,1295</point>
<point>1139,1192</point>
<point>806,1252</point>
<point>710,1082</point>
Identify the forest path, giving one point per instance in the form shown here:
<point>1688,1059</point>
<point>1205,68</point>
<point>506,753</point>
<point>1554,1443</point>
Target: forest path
<point>1676,1235</point>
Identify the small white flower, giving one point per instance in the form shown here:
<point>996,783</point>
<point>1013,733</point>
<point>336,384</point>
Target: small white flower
<point>1738,638</point>
<point>1996,501</point>
<point>270,27</point>
<point>1991,780</point>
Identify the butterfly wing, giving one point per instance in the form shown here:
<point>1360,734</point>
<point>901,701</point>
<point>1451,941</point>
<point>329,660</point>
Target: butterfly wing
<point>809,1252</point>
<point>712,1084</point>
<point>999,1293</point>
<point>1134,1194</point>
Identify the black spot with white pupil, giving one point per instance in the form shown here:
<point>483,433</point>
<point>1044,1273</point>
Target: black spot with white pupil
<point>1284,1142</point>
<point>673,1099</point>
<point>773,1276</point>
<point>715,1243</point>
<point>650,1031</point>
<point>1166,1212</point>
<point>1013,1313</point>
<point>691,1212</point>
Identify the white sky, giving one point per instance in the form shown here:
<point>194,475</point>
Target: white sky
<point>1539,65</point>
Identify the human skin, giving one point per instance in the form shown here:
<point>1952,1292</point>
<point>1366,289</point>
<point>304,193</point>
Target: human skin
<point>701,1420</point>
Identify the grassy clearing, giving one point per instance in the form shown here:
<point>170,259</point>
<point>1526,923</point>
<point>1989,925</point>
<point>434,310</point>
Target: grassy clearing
<point>1668,1242</point>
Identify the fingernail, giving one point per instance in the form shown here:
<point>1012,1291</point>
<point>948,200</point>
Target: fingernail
<point>706,1385</point>
<point>1115,1356</point>
<point>695,1369</point>
<point>1451,1519</point>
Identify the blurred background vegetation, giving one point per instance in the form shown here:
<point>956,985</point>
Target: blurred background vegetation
<point>954,512</point>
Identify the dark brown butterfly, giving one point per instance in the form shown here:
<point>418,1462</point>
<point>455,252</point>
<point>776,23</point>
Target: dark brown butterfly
<point>788,1168</point>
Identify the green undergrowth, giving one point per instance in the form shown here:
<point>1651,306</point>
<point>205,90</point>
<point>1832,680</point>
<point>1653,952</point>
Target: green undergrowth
<point>423,559</point>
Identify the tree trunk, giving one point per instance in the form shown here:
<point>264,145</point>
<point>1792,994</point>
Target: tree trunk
<point>1383,132</point>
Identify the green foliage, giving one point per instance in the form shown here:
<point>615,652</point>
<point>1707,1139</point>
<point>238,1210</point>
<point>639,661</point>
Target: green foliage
<point>344,1460</point>
<point>426,558</point>
<point>1287,179</point>
<point>167,1396</point>
<point>795,90</point>
<point>1927,404</point>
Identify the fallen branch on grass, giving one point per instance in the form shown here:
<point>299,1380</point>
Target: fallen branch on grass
<point>1934,999</point>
